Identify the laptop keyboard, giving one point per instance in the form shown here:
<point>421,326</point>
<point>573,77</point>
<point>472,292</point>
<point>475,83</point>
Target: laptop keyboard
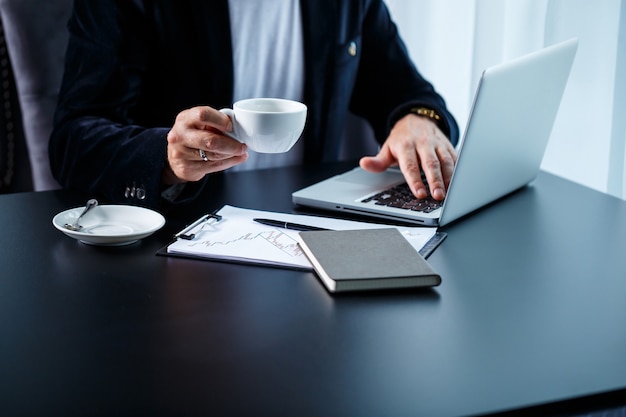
<point>400,196</point>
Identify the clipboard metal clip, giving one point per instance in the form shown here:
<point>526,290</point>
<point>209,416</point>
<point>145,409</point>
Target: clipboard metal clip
<point>210,218</point>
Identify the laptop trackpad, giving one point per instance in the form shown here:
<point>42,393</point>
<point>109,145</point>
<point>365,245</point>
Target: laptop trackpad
<point>370,179</point>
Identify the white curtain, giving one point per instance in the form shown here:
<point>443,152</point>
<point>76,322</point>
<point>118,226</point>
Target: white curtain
<point>452,41</point>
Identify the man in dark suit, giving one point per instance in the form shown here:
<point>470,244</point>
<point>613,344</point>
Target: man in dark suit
<point>143,80</point>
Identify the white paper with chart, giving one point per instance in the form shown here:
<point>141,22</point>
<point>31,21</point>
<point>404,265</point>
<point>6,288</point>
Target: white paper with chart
<point>238,238</point>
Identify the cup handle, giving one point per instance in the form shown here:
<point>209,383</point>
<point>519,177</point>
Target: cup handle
<point>230,113</point>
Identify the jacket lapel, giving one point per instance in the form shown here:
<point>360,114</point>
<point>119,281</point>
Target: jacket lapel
<point>318,17</point>
<point>211,18</point>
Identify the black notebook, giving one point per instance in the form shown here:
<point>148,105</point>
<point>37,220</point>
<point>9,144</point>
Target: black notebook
<point>371,259</point>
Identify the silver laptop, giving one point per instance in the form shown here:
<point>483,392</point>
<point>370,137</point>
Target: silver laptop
<point>501,151</point>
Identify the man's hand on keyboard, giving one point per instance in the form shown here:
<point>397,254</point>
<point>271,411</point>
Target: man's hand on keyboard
<point>417,142</point>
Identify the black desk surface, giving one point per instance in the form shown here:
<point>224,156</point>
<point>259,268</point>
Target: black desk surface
<point>531,311</point>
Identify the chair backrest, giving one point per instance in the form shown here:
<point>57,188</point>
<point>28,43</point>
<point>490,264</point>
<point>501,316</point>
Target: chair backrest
<point>15,173</point>
<point>36,38</point>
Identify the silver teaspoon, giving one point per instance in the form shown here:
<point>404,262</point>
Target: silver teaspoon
<point>75,226</point>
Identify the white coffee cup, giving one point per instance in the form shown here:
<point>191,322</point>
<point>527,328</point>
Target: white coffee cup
<point>267,125</point>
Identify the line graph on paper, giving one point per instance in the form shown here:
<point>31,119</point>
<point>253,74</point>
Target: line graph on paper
<point>273,238</point>
<point>241,240</point>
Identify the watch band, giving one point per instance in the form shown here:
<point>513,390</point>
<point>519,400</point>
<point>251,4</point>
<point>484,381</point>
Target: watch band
<point>426,112</point>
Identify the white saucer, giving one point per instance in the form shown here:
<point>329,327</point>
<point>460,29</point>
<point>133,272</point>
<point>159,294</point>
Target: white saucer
<point>112,225</point>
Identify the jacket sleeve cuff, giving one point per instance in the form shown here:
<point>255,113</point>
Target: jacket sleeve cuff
<point>447,124</point>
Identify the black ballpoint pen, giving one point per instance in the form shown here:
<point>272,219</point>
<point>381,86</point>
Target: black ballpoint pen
<point>287,225</point>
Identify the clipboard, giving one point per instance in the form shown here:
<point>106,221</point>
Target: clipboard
<point>231,235</point>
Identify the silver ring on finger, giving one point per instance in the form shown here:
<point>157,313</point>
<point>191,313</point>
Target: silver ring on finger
<point>203,155</point>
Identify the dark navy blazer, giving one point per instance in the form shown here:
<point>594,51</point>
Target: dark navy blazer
<point>132,66</point>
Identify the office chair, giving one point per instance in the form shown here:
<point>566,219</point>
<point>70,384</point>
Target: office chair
<point>36,36</point>
<point>15,174</point>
